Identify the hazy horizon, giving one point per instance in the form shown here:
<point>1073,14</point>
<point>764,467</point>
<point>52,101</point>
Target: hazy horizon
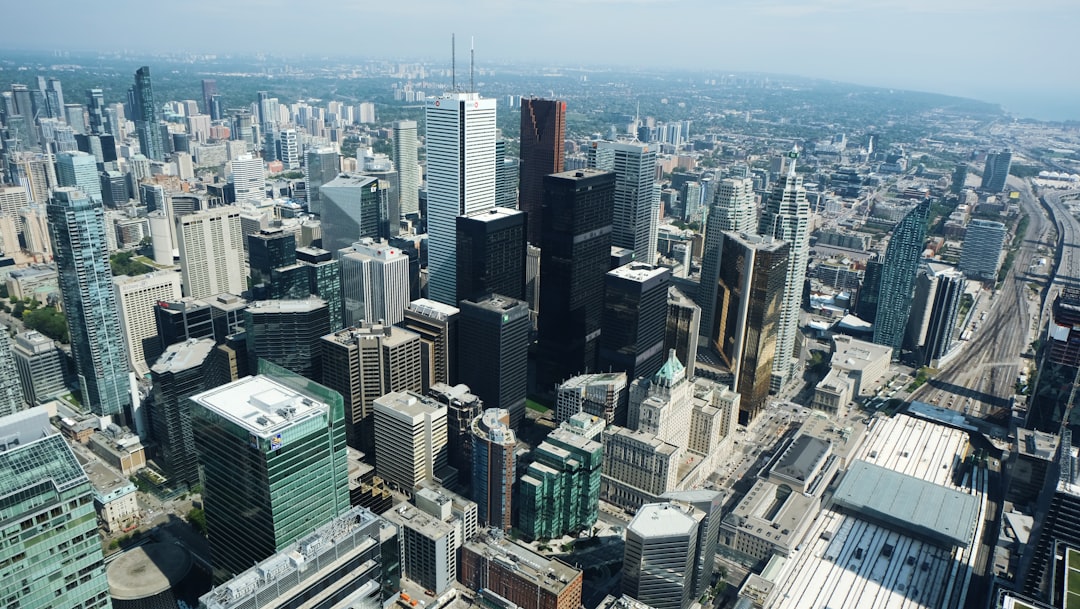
<point>994,50</point>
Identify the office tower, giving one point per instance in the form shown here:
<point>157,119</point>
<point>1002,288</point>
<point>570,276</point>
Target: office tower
<point>787,216</point>
<point>436,324</point>
<point>602,395</point>
<point>517,575</point>
<point>380,167</point>
<point>315,273</point>
<point>96,110</point>
<point>114,189</point>
<point>183,370</point>
<point>410,440</point>
<point>931,330</point>
<point>984,244</point>
<point>249,178</point>
<point>136,298</point>
<point>321,166</point>
<point>576,232</point>
<point>1057,363</point>
<point>732,209</point>
<point>866,308</point>
<point>429,546</point>
<point>637,201</point>
<point>209,89</point>
<point>460,179</point>
<point>491,254</point>
<point>634,320</point>
<point>50,538</point>
<point>40,367</point>
<point>462,407</point>
<point>708,503</point>
<point>996,170</point>
<point>272,450</point>
<point>79,170</point>
<point>682,330</point>
<point>959,178</point>
<point>34,171</point>
<point>289,149</point>
<point>560,492</point>
<point>902,258</point>
<point>506,175</point>
<point>749,299</point>
<point>494,467</point>
<point>493,350</point>
<point>11,398</point>
<point>146,114</point>
<point>269,249</point>
<point>374,283</point>
<point>353,559</point>
<point>288,333</point>
<point>350,210</point>
<point>364,363</point>
<point>54,98</point>
<point>543,130</point>
<point>405,160</point>
<point>77,230</point>
<point>211,252</point>
<point>659,560</point>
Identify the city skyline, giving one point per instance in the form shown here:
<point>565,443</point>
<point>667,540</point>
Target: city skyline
<point>843,32</point>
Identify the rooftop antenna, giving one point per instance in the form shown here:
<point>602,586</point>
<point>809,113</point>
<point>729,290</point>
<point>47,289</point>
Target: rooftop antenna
<point>453,63</point>
<point>472,62</point>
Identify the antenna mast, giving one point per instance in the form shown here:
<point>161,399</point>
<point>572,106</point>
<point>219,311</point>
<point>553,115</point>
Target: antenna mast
<point>453,64</point>
<point>472,62</point>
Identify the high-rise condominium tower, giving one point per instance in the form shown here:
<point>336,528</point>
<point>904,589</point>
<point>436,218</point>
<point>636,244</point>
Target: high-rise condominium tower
<point>77,230</point>
<point>145,113</point>
<point>460,179</point>
<point>902,258</point>
<point>211,252</point>
<point>543,129</point>
<point>404,157</point>
<point>637,198</point>
<point>787,217</point>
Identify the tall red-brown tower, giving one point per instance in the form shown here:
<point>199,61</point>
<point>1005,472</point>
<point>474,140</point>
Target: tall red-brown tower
<point>543,129</point>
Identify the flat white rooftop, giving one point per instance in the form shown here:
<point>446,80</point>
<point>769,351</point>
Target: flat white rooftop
<point>260,405</point>
<point>662,520</point>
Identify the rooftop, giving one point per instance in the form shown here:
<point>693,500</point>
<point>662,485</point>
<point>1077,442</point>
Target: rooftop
<point>638,271</point>
<point>287,306</point>
<point>30,452</point>
<point>147,570</point>
<point>498,213</point>
<point>183,356</point>
<point>908,504</point>
<point>802,458</point>
<point>432,308</point>
<point>664,520</point>
<point>1036,444</point>
<point>854,354</point>
<point>548,573</point>
<point>260,404</point>
<point>350,180</point>
<point>405,514</point>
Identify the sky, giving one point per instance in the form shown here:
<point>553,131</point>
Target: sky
<point>1014,52</point>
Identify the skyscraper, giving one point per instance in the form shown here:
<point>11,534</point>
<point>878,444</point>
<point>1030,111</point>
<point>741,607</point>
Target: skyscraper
<point>437,325</point>
<point>543,130</point>
<point>40,366</point>
<point>364,363</point>
<point>405,160</point>
<point>460,179</point>
<point>272,448</point>
<point>787,217</point>
<point>560,493</point>
<point>576,232</point>
<point>209,89</point>
<point>749,298</point>
<point>491,254</point>
<point>637,199</point>
<point>984,244</point>
<point>350,210</point>
<point>288,333</point>
<point>146,113</point>
<point>902,258</point>
<point>410,439</point>
<point>249,178</point>
<point>374,282</point>
<point>683,329</point>
<point>211,252</point>
<point>79,170</point>
<point>77,230</point>
<point>11,398</point>
<point>493,350</point>
<point>494,467</point>
<point>136,299</point>
<point>931,330</point>
<point>183,370</point>
<point>732,209</point>
<point>269,249</point>
<point>321,166</point>
<point>52,554</point>
<point>659,561</point>
<point>506,176</point>
<point>996,170</point>
<point>634,319</point>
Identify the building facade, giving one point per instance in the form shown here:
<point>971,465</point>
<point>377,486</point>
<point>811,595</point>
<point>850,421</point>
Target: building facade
<point>494,467</point>
<point>493,351</point>
<point>543,131</point>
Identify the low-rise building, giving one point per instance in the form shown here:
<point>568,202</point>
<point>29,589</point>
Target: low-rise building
<point>503,571</point>
<point>119,448</point>
<point>114,497</point>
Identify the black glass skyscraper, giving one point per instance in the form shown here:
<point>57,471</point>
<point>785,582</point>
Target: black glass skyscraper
<point>902,258</point>
<point>576,232</point>
<point>494,350</point>
<point>181,372</point>
<point>634,319</point>
<point>491,254</point>
<point>145,113</point>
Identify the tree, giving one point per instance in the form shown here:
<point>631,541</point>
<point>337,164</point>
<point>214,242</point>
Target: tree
<point>46,320</point>
<point>124,263</point>
<point>197,518</point>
